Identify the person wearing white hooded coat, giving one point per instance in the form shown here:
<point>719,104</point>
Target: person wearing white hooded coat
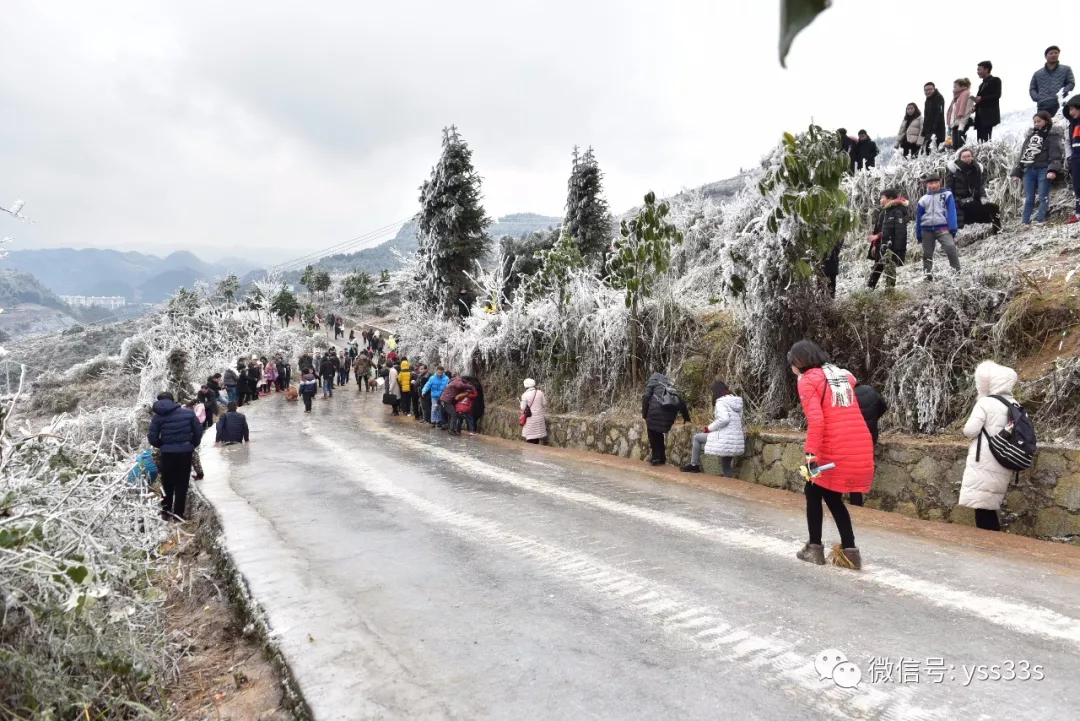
<point>985,480</point>
<point>535,428</point>
<point>723,437</point>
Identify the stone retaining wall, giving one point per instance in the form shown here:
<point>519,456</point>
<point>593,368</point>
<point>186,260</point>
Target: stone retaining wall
<point>915,477</point>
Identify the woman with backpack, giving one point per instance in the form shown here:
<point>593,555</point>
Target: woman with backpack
<point>836,434</point>
<point>723,437</point>
<point>533,413</point>
<point>985,479</point>
<point>660,404</point>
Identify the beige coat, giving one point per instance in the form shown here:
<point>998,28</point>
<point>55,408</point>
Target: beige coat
<point>913,133</point>
<point>985,480</point>
<point>536,426</point>
<point>961,108</point>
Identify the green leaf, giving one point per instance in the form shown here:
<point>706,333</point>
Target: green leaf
<point>77,574</point>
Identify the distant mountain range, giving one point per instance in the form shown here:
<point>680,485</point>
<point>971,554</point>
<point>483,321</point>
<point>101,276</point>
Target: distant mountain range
<point>140,278</point>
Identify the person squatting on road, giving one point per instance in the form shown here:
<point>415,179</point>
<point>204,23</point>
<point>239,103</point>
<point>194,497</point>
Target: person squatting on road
<point>1042,156</point>
<point>835,433</point>
<point>985,480</point>
<point>888,244</point>
<point>660,404</point>
<point>936,224</point>
<point>232,427</point>
<point>176,433</point>
<point>533,413</point>
<point>724,436</point>
<point>309,386</point>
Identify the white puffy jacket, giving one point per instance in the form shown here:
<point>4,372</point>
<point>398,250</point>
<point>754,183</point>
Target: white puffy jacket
<point>726,437</point>
<point>986,480</point>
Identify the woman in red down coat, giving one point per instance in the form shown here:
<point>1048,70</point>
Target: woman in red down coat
<point>835,433</point>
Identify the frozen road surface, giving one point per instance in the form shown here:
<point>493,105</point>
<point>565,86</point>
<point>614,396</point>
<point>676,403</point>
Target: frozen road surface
<point>407,574</point>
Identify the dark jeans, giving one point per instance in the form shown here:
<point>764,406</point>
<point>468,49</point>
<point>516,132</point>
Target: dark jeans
<point>981,213</point>
<point>987,519</point>
<point>279,383</point>
<point>910,149</point>
<point>406,402</point>
<point>656,443</point>
<point>307,400</point>
<point>230,391</point>
<point>209,422</point>
<point>175,475</point>
<point>241,395</point>
<point>984,134</point>
<point>449,415</point>
<point>887,264</point>
<point>959,137</point>
<point>1035,182</point>
<point>815,516</point>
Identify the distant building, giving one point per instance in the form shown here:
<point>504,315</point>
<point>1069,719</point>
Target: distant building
<point>111,302</point>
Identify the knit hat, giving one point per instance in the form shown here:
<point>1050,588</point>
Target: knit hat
<point>929,177</point>
<point>530,383</point>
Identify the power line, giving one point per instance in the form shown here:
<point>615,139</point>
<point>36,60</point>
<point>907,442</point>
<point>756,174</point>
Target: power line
<point>360,240</point>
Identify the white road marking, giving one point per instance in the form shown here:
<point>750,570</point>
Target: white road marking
<point>773,656</point>
<point>1016,615</point>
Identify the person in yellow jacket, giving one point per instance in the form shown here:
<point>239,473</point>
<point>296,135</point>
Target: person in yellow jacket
<point>405,381</point>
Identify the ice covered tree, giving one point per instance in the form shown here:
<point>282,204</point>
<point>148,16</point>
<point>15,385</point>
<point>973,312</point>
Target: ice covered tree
<point>588,219</point>
<point>642,253</point>
<point>182,305</point>
<point>321,282</point>
<point>228,287</point>
<point>556,266</point>
<point>307,279</point>
<point>452,225</point>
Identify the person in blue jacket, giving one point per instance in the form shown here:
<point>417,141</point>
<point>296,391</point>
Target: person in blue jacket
<point>176,432</point>
<point>935,224</point>
<point>434,387</point>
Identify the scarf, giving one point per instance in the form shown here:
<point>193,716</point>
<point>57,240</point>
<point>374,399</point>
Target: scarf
<point>840,384</point>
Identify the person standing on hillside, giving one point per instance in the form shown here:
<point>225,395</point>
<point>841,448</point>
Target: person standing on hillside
<point>987,102</point>
<point>1072,113</point>
<point>660,405</point>
<point>847,146</point>
<point>888,244</point>
<point>835,433</point>
<point>965,180</point>
<point>936,224</point>
<point>176,433</point>
<point>910,137</point>
<point>865,151</point>
<point>961,109</point>
<point>1051,83</point>
<point>933,118</point>
<point>1041,158</point>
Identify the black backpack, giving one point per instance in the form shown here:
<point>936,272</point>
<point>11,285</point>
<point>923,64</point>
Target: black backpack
<point>1014,445</point>
<point>669,398</point>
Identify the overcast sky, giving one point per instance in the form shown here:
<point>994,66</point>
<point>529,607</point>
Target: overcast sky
<point>271,128</point>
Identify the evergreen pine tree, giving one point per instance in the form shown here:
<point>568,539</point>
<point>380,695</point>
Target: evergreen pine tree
<point>452,226</point>
<point>587,217</point>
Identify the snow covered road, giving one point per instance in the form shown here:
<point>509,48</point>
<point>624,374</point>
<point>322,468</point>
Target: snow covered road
<point>408,574</point>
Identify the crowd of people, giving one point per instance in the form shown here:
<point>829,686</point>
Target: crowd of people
<point>959,197</point>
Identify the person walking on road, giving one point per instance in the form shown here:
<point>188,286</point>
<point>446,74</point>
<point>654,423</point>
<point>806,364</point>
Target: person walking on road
<point>836,433</point>
<point>361,367</point>
<point>660,405</point>
<point>1051,83</point>
<point>987,102</point>
<point>985,480</point>
<point>176,433</point>
<point>309,386</point>
<point>232,427</point>
<point>723,437</point>
<point>393,388</point>
<point>326,373</point>
<point>534,412</point>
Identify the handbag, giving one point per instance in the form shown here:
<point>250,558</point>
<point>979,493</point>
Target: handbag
<point>527,413</point>
<point>389,399</point>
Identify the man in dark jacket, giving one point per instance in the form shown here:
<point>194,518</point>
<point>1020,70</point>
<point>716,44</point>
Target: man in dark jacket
<point>176,433</point>
<point>326,375</point>
<point>933,117</point>
<point>230,380</point>
<point>966,183</point>
<point>232,427</point>
<point>1052,82</point>
<point>253,381</point>
<point>890,237</point>
<point>208,398</point>
<point>847,146</point>
<point>659,418</point>
<point>987,102</point>
<point>873,407</point>
<point>284,373</point>
<point>421,402</point>
<point>242,385</point>
<point>309,386</point>
<point>865,151</point>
